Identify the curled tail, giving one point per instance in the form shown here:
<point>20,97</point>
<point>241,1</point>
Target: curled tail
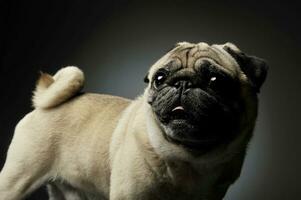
<point>51,91</point>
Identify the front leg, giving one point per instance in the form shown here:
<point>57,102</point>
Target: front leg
<point>219,192</point>
<point>131,177</point>
<point>229,175</point>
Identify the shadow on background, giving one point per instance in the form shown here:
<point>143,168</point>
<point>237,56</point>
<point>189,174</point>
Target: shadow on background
<point>115,42</point>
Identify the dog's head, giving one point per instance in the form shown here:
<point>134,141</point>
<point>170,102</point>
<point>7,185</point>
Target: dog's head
<point>204,96</point>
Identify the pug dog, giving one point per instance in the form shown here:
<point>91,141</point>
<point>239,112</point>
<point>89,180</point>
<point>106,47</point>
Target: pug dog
<point>184,138</point>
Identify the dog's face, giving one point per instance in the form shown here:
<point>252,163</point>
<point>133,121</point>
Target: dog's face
<point>202,95</point>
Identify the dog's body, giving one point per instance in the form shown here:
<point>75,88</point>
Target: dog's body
<point>93,146</point>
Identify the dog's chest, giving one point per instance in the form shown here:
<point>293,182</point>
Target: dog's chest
<point>186,182</point>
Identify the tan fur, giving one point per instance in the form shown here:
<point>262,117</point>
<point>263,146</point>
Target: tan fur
<point>112,148</point>
<point>52,91</point>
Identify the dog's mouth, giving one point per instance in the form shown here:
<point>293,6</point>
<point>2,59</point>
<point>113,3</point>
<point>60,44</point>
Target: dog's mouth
<point>186,132</point>
<point>197,121</point>
<point>178,113</point>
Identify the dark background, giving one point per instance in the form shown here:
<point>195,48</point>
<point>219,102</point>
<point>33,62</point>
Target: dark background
<point>115,42</point>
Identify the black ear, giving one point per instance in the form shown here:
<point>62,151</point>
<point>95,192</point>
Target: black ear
<point>255,68</point>
<point>146,80</point>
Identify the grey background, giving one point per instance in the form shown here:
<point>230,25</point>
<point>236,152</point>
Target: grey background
<point>115,42</point>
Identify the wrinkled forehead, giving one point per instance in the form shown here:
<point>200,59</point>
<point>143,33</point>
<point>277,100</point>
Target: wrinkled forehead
<point>189,55</point>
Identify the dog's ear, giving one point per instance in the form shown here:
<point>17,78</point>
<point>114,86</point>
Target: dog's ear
<point>146,80</point>
<point>255,68</point>
<point>178,45</point>
<point>173,47</point>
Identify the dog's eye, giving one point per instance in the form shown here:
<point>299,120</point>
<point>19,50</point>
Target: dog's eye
<point>221,83</point>
<point>159,79</point>
<point>216,80</point>
<point>212,79</point>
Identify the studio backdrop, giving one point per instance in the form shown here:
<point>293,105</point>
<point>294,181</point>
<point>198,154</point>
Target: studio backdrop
<point>115,42</point>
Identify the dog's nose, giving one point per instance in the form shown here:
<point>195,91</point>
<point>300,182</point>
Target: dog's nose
<point>183,84</point>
